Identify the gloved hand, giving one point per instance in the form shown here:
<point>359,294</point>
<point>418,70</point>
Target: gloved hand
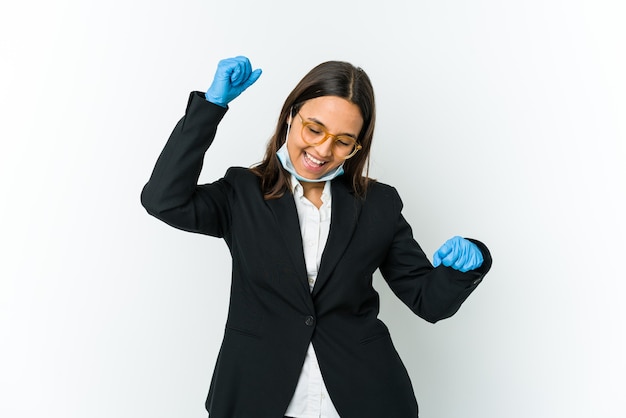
<point>232,77</point>
<point>460,254</point>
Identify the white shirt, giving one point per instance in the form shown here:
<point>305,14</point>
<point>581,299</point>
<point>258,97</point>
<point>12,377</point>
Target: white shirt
<point>311,399</point>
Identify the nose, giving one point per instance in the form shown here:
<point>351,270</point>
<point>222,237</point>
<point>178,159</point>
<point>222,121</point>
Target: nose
<point>325,149</point>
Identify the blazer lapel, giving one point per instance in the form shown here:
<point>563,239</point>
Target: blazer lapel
<point>344,216</point>
<point>286,217</point>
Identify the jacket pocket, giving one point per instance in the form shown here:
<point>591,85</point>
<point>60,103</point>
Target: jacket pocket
<point>374,337</point>
<point>240,331</point>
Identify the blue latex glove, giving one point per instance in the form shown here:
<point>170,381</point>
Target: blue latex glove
<point>232,77</point>
<point>460,254</point>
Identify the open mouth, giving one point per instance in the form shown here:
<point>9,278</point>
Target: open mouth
<point>313,161</point>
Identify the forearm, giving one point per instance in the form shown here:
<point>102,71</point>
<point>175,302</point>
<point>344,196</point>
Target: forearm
<point>170,192</point>
<point>432,293</point>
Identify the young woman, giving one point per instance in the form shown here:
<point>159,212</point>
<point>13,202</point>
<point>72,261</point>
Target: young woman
<point>307,229</point>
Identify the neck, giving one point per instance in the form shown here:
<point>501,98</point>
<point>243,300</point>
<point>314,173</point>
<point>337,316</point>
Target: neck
<point>313,191</point>
<point>310,186</point>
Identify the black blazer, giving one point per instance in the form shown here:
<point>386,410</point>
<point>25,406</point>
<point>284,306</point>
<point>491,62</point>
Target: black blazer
<point>273,316</point>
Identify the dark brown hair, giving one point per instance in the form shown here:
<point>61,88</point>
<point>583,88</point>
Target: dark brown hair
<point>331,78</point>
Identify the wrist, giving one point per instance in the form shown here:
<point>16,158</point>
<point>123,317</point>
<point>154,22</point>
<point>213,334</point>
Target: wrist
<point>212,99</point>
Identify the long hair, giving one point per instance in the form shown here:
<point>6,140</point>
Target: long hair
<point>331,78</point>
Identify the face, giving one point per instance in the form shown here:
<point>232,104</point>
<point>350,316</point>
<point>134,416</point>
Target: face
<point>339,117</point>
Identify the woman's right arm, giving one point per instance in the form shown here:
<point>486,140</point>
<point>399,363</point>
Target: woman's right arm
<point>172,193</point>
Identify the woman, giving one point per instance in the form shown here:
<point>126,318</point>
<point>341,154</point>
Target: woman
<point>307,230</point>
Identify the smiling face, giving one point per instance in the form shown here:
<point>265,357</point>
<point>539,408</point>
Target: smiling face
<point>337,116</point>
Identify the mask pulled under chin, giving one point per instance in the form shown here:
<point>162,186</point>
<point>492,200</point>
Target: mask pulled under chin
<point>283,156</point>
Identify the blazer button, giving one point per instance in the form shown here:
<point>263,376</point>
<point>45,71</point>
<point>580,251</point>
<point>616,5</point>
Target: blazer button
<point>309,321</point>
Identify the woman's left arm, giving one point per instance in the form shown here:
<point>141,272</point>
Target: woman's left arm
<point>433,292</point>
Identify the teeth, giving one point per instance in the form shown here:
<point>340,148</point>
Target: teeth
<point>318,162</point>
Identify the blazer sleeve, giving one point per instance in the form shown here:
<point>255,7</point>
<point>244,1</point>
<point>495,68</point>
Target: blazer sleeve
<point>172,193</point>
<point>431,293</point>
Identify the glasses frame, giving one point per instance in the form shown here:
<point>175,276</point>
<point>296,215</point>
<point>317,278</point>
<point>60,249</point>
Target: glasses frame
<point>327,135</point>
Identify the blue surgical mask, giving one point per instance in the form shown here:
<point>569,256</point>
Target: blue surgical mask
<point>283,156</point>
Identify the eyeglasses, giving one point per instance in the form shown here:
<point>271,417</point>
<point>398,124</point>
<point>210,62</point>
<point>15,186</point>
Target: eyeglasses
<point>314,134</point>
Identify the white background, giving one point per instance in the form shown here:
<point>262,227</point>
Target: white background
<point>502,121</point>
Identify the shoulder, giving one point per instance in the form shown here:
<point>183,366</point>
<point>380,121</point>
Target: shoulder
<point>377,187</point>
<point>240,175</point>
<point>377,194</point>
<point>238,185</point>
<point>242,178</point>
<point>381,192</point>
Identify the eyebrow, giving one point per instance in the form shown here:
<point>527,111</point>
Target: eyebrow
<point>322,124</point>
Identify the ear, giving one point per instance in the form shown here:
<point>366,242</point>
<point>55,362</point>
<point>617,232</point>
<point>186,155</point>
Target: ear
<point>290,116</point>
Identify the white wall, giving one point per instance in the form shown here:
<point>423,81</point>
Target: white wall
<point>503,121</point>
